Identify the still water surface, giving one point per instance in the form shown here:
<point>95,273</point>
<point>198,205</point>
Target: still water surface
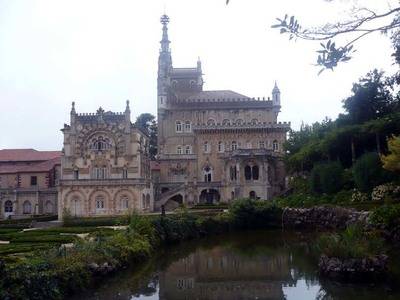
<point>249,265</point>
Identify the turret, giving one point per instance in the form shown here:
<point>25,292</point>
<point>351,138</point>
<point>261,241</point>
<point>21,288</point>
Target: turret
<point>276,95</point>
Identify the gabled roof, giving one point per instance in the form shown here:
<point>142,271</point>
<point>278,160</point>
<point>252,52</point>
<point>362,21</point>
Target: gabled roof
<point>20,155</point>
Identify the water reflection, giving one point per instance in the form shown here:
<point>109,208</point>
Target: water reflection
<point>261,265</point>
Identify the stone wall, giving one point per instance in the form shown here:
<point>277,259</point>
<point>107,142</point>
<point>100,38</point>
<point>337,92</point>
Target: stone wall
<point>323,217</point>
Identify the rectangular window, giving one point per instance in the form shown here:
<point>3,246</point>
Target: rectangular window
<point>125,173</point>
<point>33,180</point>
<point>76,174</point>
<point>179,150</point>
<point>262,145</point>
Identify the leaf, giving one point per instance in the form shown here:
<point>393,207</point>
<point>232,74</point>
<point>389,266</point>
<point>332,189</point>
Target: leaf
<point>276,26</point>
<point>320,71</point>
<point>328,44</point>
<point>283,30</point>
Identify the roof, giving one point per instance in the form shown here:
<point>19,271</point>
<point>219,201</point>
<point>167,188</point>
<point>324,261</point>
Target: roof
<point>221,94</point>
<point>184,72</point>
<point>44,166</point>
<point>21,155</point>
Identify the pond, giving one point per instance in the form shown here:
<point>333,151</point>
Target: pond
<point>247,265</point>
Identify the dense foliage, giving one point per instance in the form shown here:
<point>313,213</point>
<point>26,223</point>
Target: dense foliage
<point>351,243</point>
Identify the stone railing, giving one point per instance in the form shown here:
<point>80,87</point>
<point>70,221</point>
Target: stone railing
<point>246,126</point>
<point>101,182</point>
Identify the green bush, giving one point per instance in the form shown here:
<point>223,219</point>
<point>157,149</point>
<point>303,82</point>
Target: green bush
<point>386,214</point>
<point>327,178</point>
<point>368,172</point>
<point>249,213</point>
<point>352,243</point>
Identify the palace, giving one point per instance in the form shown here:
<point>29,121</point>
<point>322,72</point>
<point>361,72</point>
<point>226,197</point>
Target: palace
<point>104,166</point>
<point>214,146</point>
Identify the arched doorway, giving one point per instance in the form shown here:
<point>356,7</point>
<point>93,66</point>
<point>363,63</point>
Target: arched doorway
<point>27,208</point>
<point>252,195</point>
<point>209,196</point>
<point>174,202</point>
<point>8,209</point>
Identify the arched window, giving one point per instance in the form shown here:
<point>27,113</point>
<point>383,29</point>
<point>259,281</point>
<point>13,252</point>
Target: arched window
<point>221,146</point>
<point>178,126</point>
<point>261,145</point>
<point>249,145</point>
<point>247,173</point>
<point>8,206</point>
<point>234,145</point>
<point>100,205</point>
<point>27,207</point>
<point>207,174</point>
<point>275,145</point>
<point>210,122</point>
<point>188,149</point>
<point>255,172</point>
<point>100,143</point>
<point>239,122</point>
<point>252,195</point>
<point>188,126</point>
<point>254,121</point>
<point>226,122</point>
<point>179,150</point>
<point>206,147</point>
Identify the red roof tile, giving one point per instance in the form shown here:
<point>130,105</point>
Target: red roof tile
<point>39,167</point>
<point>10,155</point>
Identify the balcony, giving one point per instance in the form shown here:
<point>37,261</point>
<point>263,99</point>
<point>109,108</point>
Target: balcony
<point>103,182</point>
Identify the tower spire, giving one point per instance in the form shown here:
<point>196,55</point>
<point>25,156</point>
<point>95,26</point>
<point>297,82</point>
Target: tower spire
<point>165,41</point>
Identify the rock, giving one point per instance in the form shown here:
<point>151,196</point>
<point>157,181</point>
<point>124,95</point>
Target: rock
<point>354,269</point>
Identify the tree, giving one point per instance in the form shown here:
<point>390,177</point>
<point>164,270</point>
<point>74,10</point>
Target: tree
<point>147,122</point>
<point>363,22</point>
<point>327,178</point>
<point>391,162</point>
<point>371,99</point>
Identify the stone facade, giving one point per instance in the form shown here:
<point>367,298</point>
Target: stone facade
<point>28,180</point>
<point>105,165</point>
<point>214,146</point>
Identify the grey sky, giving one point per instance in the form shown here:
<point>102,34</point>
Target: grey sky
<point>100,53</point>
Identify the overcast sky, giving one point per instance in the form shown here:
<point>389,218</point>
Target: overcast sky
<point>100,53</point>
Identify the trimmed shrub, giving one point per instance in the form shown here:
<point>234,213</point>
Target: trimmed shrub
<point>249,213</point>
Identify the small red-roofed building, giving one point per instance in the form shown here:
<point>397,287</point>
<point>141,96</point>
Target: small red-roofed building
<point>28,182</point>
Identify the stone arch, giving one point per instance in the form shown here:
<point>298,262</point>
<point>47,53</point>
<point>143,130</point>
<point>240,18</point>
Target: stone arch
<point>94,203</point>
<point>27,207</point>
<point>49,207</point>
<point>209,196</point>
<point>121,196</point>
<point>174,202</point>
<point>75,201</point>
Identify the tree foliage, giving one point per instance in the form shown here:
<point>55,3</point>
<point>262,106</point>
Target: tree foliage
<point>147,122</point>
<point>368,172</point>
<point>391,162</point>
<point>327,178</point>
<point>363,22</point>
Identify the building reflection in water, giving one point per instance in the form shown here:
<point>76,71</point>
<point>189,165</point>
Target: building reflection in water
<point>220,273</point>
